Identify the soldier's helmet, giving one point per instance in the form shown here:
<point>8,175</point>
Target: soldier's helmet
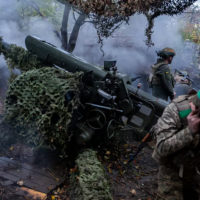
<point>166,52</point>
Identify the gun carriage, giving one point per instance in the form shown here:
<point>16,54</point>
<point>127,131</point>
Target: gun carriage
<point>109,102</point>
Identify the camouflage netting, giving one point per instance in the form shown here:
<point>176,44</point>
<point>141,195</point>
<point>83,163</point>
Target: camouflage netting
<point>151,8</point>
<point>18,57</point>
<point>89,181</point>
<point>36,108</point>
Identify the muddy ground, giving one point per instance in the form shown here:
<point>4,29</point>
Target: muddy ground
<point>137,181</point>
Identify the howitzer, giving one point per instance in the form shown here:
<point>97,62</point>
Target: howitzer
<point>111,103</point>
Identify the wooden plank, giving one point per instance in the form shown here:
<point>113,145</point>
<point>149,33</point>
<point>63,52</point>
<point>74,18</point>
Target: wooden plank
<point>8,182</point>
<point>30,179</point>
<point>25,166</point>
<point>28,175</point>
<point>33,178</point>
<point>31,193</point>
<point>16,179</point>
<point>28,193</point>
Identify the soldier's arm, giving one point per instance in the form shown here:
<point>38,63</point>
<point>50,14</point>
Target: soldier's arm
<point>169,138</point>
<point>165,75</point>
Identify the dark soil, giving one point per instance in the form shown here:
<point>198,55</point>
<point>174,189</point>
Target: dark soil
<point>135,181</point>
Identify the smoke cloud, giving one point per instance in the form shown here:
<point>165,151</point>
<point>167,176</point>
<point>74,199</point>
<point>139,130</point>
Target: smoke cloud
<point>127,45</point>
<point>137,57</point>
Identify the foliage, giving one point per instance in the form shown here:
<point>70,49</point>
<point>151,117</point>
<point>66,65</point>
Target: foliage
<point>151,8</point>
<point>25,12</point>
<point>18,57</point>
<point>21,59</point>
<point>105,15</point>
<point>106,26</point>
<point>189,24</point>
<point>189,31</point>
<point>47,9</point>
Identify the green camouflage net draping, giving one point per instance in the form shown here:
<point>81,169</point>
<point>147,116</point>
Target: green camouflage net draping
<point>89,181</point>
<point>12,77</point>
<point>20,58</point>
<point>35,106</point>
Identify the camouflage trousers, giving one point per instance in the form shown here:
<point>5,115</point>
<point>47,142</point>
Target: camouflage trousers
<point>172,187</point>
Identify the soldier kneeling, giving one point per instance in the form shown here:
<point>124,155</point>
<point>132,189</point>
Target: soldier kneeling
<point>178,150</point>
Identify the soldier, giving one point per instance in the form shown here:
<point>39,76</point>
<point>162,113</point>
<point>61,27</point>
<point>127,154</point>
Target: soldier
<point>182,86</point>
<point>162,81</point>
<point>177,149</point>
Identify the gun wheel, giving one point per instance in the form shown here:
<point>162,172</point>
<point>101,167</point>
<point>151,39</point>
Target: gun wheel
<point>96,119</point>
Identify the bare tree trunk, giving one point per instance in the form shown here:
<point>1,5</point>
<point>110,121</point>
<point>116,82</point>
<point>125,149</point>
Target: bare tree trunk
<point>75,31</point>
<point>63,29</point>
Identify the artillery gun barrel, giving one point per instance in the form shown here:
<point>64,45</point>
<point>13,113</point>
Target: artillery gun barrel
<point>50,53</point>
<point>5,45</point>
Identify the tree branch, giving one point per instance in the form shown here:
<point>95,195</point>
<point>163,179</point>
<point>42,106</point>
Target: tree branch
<point>36,8</point>
<point>74,16</point>
<point>75,31</point>
<point>63,29</point>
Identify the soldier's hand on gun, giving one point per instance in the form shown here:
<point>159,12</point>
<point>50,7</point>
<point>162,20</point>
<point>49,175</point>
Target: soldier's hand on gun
<point>193,119</point>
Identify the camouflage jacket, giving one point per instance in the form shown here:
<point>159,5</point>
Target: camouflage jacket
<point>170,136</point>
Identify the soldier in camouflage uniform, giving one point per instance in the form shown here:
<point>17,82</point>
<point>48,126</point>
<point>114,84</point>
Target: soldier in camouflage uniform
<point>162,81</point>
<point>178,150</point>
<point>182,86</point>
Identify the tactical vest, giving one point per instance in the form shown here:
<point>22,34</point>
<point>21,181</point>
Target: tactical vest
<point>155,79</point>
<point>182,103</point>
